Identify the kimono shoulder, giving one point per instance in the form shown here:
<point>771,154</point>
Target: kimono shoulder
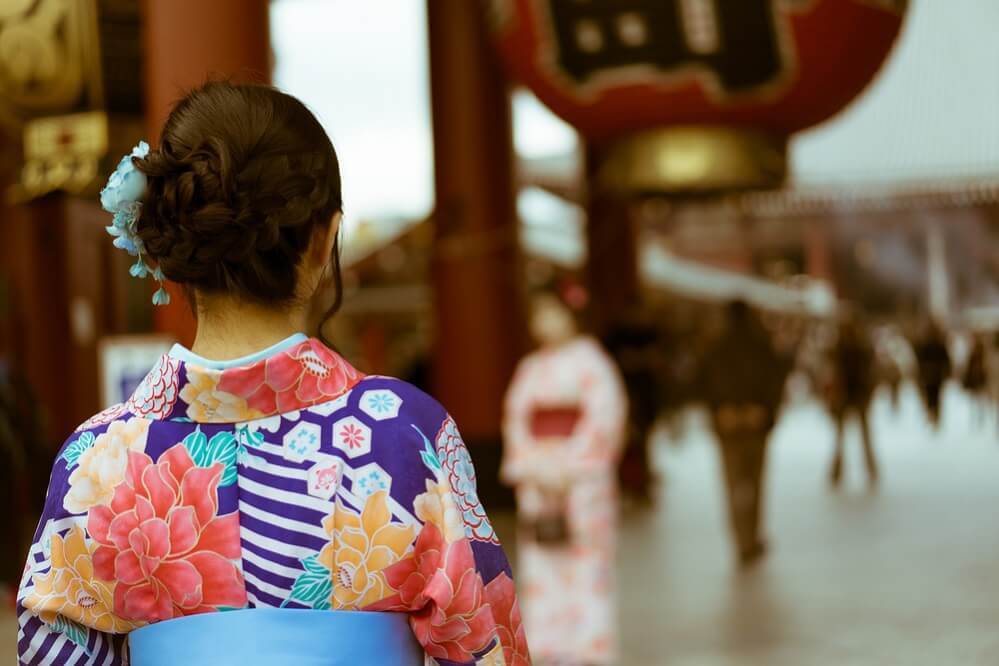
<point>364,500</point>
<point>414,439</point>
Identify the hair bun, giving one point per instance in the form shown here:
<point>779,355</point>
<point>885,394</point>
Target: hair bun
<point>242,176</point>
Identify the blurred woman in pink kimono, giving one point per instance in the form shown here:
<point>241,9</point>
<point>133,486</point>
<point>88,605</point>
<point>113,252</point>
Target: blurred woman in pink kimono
<point>564,429</point>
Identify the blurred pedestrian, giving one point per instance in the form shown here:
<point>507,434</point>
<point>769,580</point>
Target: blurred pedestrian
<point>934,364</point>
<point>636,347</point>
<point>888,363</point>
<point>744,378</point>
<point>975,379</point>
<point>992,368</point>
<point>851,393</point>
<point>564,423</point>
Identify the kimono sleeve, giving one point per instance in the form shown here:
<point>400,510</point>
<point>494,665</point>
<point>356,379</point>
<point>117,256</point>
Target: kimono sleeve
<point>64,613</point>
<point>456,584</point>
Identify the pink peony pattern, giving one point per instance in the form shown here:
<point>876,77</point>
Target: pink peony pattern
<point>457,466</point>
<point>439,585</point>
<point>305,375</point>
<point>158,392</point>
<point>502,596</point>
<point>161,542</point>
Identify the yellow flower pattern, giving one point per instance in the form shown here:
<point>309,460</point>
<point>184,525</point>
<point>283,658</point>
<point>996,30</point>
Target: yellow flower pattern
<point>437,506</point>
<point>102,467</point>
<point>207,404</point>
<point>361,546</point>
<point>69,588</point>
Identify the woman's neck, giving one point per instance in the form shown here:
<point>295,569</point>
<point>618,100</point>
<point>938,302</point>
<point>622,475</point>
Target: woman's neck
<point>228,329</point>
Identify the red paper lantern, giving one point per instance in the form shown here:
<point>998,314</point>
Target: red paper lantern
<point>612,68</point>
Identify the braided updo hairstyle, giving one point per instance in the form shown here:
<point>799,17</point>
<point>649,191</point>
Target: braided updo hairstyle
<point>242,176</point>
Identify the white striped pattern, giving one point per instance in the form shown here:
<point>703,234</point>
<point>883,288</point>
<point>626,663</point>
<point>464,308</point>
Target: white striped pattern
<point>263,586</point>
<point>264,563</point>
<point>315,531</point>
<point>285,496</point>
<point>36,644</point>
<point>79,654</point>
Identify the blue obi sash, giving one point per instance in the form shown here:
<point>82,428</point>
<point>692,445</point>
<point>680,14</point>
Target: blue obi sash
<point>278,636</point>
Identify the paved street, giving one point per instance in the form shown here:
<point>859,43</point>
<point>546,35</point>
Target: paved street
<point>905,575</point>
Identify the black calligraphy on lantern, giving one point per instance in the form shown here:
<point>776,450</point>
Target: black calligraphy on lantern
<point>736,40</point>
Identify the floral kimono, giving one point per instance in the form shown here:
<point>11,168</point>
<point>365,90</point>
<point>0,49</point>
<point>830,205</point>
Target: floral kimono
<point>566,412</point>
<point>287,479</point>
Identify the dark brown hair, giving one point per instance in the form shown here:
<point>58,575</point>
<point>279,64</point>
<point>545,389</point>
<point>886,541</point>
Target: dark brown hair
<point>243,175</point>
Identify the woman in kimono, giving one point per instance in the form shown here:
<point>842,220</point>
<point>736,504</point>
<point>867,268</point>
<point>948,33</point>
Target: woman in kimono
<point>256,487</point>
<point>564,429</point>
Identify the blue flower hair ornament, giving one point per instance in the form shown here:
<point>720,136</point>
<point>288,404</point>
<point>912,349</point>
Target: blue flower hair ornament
<point>122,197</point>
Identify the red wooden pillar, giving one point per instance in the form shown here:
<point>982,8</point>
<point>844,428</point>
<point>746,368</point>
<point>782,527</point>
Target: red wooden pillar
<point>612,261</point>
<point>42,347</point>
<point>55,282</point>
<point>479,332</point>
<point>374,346</point>
<point>186,43</point>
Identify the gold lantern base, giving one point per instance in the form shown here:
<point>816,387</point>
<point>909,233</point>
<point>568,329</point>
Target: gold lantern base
<point>694,160</point>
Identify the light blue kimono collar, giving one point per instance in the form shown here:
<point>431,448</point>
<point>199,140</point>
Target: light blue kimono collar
<point>182,353</point>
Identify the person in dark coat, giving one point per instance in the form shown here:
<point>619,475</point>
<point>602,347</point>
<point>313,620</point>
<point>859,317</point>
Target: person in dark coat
<point>635,346</point>
<point>935,369</point>
<point>744,376</point>
<point>976,378</point>
<point>851,394</point>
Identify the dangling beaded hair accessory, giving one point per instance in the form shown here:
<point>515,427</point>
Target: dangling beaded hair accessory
<point>122,197</point>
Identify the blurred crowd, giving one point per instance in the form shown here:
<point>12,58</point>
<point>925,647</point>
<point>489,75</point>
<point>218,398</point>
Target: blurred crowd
<point>746,364</point>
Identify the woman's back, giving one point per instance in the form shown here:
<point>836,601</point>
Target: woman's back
<point>290,481</point>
